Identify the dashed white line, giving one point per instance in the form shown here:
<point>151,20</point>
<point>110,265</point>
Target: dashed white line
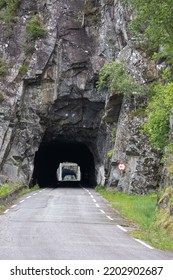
<point>28,197</point>
<point>102,211</point>
<point>6,211</point>
<point>109,218</point>
<point>120,227</point>
<point>22,201</point>
<point>35,193</point>
<point>40,191</point>
<point>15,205</point>
<point>143,243</point>
<point>97,205</point>
<point>92,196</point>
<point>94,200</point>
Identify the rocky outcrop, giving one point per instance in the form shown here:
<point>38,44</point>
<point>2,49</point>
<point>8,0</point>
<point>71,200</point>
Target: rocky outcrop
<point>56,98</point>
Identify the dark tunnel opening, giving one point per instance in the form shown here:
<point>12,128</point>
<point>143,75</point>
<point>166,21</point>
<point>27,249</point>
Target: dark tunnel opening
<point>51,154</point>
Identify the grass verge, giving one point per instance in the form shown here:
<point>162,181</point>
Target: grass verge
<point>6,190</point>
<point>141,209</point>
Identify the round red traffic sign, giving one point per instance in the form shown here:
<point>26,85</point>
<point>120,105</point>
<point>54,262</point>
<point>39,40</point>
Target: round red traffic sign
<point>122,166</point>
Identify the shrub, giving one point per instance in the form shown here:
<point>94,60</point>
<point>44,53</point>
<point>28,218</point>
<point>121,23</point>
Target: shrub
<point>2,3</point>
<point>158,114</point>
<point>34,28</point>
<point>1,97</point>
<point>3,67</point>
<point>23,69</point>
<point>115,77</point>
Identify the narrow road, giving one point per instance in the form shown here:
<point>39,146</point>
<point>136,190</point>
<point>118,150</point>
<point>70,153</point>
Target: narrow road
<point>68,223</point>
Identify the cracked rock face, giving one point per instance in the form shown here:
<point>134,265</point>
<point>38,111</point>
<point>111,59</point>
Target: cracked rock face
<point>56,99</point>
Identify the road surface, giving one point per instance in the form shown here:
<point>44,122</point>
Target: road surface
<point>68,223</point>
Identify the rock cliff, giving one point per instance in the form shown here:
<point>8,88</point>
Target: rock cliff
<point>48,94</point>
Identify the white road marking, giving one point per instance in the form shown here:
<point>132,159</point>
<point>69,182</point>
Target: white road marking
<point>97,205</point>
<point>40,191</point>
<point>6,211</point>
<point>15,205</point>
<point>143,243</point>
<point>22,201</point>
<point>109,218</point>
<point>35,193</point>
<point>102,211</point>
<point>28,197</point>
<point>120,227</point>
<point>94,200</point>
<point>92,196</point>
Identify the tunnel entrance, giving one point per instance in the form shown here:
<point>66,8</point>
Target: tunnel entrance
<point>51,154</point>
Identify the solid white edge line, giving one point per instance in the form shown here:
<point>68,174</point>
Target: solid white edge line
<point>120,227</point>
<point>97,205</point>
<point>109,218</point>
<point>6,211</point>
<point>143,243</point>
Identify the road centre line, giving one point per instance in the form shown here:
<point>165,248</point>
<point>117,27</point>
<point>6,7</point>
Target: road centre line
<point>35,193</point>
<point>6,211</point>
<point>120,227</point>
<point>143,243</point>
<point>22,201</point>
<point>94,200</point>
<point>97,205</point>
<point>102,211</point>
<point>28,197</point>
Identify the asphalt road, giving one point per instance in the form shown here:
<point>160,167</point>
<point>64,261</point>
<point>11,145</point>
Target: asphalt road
<point>68,223</point>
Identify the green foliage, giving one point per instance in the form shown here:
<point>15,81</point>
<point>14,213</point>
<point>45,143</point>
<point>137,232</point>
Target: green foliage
<point>11,9</point>
<point>23,69</point>
<point>1,97</point>
<point>154,226</point>
<point>3,67</point>
<point>110,153</point>
<point>113,134</point>
<point>158,112</point>
<point>115,77</point>
<point>35,28</point>
<point>2,3</point>
<point>153,25</point>
<point>5,189</point>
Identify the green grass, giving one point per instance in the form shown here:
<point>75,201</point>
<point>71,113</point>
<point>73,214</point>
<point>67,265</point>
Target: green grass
<point>5,189</point>
<point>8,188</point>
<point>142,211</point>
